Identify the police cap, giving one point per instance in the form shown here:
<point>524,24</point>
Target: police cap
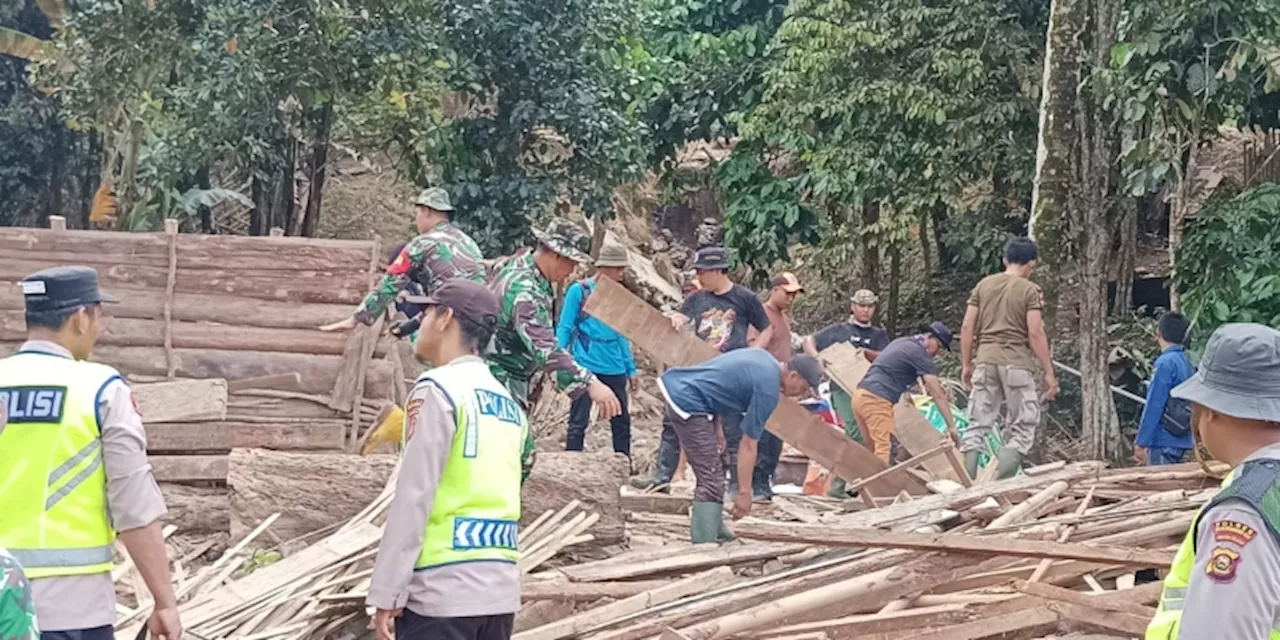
<point>61,288</point>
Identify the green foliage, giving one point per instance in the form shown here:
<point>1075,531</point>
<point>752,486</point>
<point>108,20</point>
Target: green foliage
<point>1184,69</point>
<point>905,104</point>
<point>763,213</point>
<point>978,238</point>
<point>1229,263</point>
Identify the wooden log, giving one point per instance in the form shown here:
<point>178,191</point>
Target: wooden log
<point>1097,618</point>
<point>1028,507</point>
<point>182,400</point>
<point>860,625</point>
<point>1038,620</point>
<point>574,625</point>
<point>676,559</point>
<point>647,328</point>
<point>562,590</point>
<point>961,543</point>
<point>318,372</point>
<point>202,252</point>
<point>132,332</point>
<point>188,468</point>
<point>192,437</point>
<point>1102,602</point>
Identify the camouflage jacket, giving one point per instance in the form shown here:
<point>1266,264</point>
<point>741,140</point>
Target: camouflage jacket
<point>17,611</point>
<point>525,341</point>
<point>438,255</point>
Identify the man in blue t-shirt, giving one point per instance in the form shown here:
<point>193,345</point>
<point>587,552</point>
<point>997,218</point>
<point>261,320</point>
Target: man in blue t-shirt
<point>744,382</point>
<point>1164,435</point>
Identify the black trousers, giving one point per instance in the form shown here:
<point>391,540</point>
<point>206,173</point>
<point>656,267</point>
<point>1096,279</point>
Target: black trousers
<point>768,452</point>
<point>411,626</point>
<point>580,417</point>
<point>99,633</point>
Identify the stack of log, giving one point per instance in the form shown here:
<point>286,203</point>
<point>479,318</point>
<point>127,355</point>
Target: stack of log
<point>238,315</point>
<point>1060,548</point>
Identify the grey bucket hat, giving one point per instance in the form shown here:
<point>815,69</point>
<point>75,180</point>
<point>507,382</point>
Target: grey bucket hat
<point>612,254</point>
<point>1240,373</point>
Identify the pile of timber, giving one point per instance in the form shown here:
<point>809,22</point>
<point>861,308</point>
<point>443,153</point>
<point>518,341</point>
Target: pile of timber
<point>240,311</point>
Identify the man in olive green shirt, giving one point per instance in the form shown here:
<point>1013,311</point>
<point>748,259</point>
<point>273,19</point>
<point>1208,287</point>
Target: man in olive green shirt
<point>1004,325</point>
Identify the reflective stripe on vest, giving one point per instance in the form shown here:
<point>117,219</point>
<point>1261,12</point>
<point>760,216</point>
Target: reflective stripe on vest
<point>476,510</point>
<point>52,482</point>
<point>1168,618</point>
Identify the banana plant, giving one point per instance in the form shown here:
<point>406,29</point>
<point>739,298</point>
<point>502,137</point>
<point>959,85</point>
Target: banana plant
<point>28,47</point>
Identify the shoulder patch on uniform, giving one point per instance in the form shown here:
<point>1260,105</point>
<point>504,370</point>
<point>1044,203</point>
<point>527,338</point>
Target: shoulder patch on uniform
<point>1236,533</point>
<point>1222,565</point>
<point>411,417</point>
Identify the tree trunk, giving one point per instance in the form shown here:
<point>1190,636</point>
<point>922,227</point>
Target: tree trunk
<point>127,189</point>
<point>870,250</point>
<point>53,206</point>
<point>928,264</point>
<point>89,181</point>
<point>205,213</point>
<point>939,215</point>
<point>317,171</point>
<point>1186,191</point>
<point>1127,258</point>
<point>895,272</point>
<point>261,210</point>
<point>598,231</point>
<point>283,211</point>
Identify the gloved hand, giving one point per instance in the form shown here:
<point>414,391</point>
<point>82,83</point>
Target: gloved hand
<point>104,204</point>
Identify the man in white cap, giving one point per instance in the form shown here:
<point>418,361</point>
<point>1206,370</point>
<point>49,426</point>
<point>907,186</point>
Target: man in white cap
<point>439,253</point>
<point>1225,579</point>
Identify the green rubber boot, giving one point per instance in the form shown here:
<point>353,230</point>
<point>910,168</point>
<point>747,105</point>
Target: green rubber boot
<point>705,521</point>
<point>1007,463</point>
<point>971,463</point>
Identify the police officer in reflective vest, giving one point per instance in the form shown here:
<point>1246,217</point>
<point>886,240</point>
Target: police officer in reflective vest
<point>73,467</point>
<point>1225,579</point>
<point>446,566</point>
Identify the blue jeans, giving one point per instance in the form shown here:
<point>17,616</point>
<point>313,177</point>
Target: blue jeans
<point>1157,456</point>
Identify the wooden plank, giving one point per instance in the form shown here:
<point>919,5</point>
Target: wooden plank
<point>859,625</point>
<point>916,434</point>
<point>1101,601</point>
<point>1097,618</point>
<point>648,329</point>
<point>278,382</point>
<point>678,559</point>
<point>562,590</point>
<point>223,436</point>
<point>189,400</point>
<point>897,469</point>
<point>188,468</point>
<point>656,503</point>
<point>1039,619</point>
<point>592,618</point>
<point>845,364</point>
<point>961,543</point>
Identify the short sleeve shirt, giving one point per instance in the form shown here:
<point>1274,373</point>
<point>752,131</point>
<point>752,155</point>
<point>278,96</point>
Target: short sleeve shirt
<point>722,320</point>
<point>780,343</point>
<point>897,367</point>
<point>863,337</point>
<point>1002,336</point>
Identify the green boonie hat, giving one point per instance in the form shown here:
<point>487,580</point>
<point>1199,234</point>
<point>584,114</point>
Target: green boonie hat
<point>435,198</point>
<point>566,239</point>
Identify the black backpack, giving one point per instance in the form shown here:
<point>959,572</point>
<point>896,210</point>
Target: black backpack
<point>1176,418</point>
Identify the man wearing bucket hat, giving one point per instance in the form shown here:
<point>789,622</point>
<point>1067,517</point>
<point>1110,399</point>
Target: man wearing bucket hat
<point>525,342</point>
<point>603,351</point>
<point>1225,578</point>
<point>440,252</point>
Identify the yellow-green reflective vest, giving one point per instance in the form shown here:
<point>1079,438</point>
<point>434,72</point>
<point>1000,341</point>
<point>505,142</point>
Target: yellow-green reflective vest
<point>53,488</point>
<point>1261,478</point>
<point>477,504</point>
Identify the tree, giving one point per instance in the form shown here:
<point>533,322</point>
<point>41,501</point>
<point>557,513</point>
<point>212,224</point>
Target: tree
<point>1184,70</point>
<point>1073,204</point>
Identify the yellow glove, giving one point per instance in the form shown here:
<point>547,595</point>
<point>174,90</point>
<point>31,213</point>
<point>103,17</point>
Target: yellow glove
<point>389,430</point>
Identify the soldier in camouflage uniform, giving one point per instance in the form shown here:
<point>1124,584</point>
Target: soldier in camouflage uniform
<point>17,611</point>
<point>440,252</point>
<point>525,342</point>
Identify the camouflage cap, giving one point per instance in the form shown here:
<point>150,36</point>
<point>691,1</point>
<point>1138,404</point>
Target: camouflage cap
<point>566,239</point>
<point>434,198</point>
<point>864,297</point>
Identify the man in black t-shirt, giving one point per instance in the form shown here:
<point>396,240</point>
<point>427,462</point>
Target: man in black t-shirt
<point>719,313</point>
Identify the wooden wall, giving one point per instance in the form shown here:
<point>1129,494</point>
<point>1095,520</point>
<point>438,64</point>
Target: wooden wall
<point>244,309</point>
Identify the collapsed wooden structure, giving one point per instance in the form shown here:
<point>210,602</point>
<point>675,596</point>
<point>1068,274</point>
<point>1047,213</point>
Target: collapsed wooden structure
<point>239,314</point>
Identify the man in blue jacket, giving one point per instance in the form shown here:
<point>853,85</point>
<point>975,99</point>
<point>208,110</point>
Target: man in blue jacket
<point>600,349</point>
<point>1164,436</point>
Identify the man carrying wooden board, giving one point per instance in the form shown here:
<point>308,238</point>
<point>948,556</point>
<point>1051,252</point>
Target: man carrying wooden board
<point>897,368</point>
<point>745,382</point>
<point>446,566</point>
<point>73,467</point>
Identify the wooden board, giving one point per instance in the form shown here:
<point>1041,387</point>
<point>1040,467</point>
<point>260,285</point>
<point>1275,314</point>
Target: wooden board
<point>193,437</point>
<point>845,364</point>
<point>648,329</point>
<point>189,468</point>
<point>917,435</point>
<point>148,304</point>
<point>562,590</point>
<point>189,400</point>
<point>961,543</point>
<point>677,559</point>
